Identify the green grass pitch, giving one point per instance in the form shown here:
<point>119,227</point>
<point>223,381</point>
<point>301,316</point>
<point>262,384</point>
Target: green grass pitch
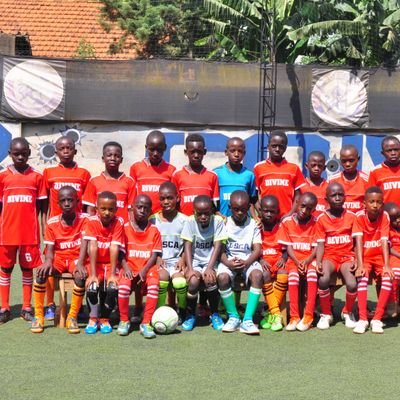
<point>202,364</point>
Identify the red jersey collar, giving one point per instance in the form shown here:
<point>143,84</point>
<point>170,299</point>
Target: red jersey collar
<point>112,179</point>
<point>283,162</point>
<point>148,163</point>
<point>12,169</point>
<point>190,172</point>
<point>74,167</point>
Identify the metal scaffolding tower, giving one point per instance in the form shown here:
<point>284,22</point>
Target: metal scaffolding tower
<point>268,72</point>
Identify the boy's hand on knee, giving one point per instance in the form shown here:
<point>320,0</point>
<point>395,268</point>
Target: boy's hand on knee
<point>386,270</point>
<point>209,276</point>
<point>44,271</point>
<point>319,267</point>
<point>80,271</point>
<point>92,279</point>
<point>112,280</point>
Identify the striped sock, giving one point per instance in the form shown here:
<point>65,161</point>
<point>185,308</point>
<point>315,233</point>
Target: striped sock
<point>383,298</point>
<point>312,290</point>
<point>180,286</point>
<point>39,292</point>
<point>293,285</point>
<point>228,298</point>
<point>162,293</point>
<point>27,283</point>
<point>270,299</point>
<point>325,301</point>
<point>252,303</point>
<point>362,294</point>
<point>124,292</point>
<point>76,301</point>
<point>5,283</point>
<point>280,287</point>
<point>151,303</point>
<point>350,299</point>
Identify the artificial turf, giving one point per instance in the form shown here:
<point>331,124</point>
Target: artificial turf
<point>202,364</point>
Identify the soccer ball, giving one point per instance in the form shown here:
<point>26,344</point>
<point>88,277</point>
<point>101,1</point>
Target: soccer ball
<point>165,320</point>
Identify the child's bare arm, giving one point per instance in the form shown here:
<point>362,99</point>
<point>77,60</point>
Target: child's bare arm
<point>44,270</point>
<point>150,262</point>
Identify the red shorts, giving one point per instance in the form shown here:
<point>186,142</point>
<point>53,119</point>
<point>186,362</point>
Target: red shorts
<point>64,265</point>
<point>29,256</point>
<point>152,278</point>
<point>103,271</point>
<point>374,264</point>
<point>394,262</point>
<point>291,266</point>
<point>338,261</point>
<point>272,261</point>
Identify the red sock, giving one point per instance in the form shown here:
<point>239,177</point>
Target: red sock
<point>383,298</point>
<point>325,301</point>
<point>394,298</point>
<point>27,283</point>
<point>293,284</point>
<point>350,299</point>
<point>151,303</point>
<point>124,291</point>
<point>362,294</point>
<point>5,283</point>
<point>312,289</point>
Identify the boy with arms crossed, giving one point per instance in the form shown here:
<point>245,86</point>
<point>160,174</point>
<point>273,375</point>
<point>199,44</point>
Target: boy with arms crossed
<point>240,255</point>
<point>105,235</point>
<point>299,230</point>
<point>371,232</point>
<point>335,254</point>
<point>22,195</point>
<point>170,223</point>
<point>142,247</point>
<point>203,234</point>
<point>64,253</point>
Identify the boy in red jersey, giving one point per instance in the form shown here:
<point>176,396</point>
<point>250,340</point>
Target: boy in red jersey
<point>153,170</point>
<point>273,263</point>
<point>22,195</point>
<point>387,175</point>
<point>278,177</point>
<point>142,247</point>
<point>371,232</point>
<point>315,183</point>
<point>299,229</point>
<point>105,235</point>
<point>195,179</point>
<point>353,181</point>
<point>335,254</point>
<point>64,253</point>
<point>113,180</point>
<point>65,173</point>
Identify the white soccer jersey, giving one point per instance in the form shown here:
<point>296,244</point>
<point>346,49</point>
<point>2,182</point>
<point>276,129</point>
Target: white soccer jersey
<point>172,243</point>
<point>203,239</point>
<point>241,238</point>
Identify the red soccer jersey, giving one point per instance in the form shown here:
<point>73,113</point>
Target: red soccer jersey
<point>19,223</point>
<point>149,177</point>
<point>140,245</point>
<point>299,236</point>
<point>354,190</point>
<point>372,232</point>
<point>279,179</point>
<point>272,246</point>
<point>319,191</point>
<point>57,177</point>
<point>388,179</point>
<point>66,239</point>
<point>191,184</point>
<point>394,238</point>
<point>104,236</point>
<point>336,233</point>
<point>123,188</point>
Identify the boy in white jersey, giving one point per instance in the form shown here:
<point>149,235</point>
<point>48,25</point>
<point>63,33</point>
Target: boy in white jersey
<point>203,234</point>
<point>242,250</point>
<point>170,223</point>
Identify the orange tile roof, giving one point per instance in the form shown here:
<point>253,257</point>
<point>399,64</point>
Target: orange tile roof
<point>56,27</point>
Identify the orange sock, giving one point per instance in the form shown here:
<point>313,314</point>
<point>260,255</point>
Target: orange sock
<point>39,291</point>
<point>280,287</point>
<point>76,301</point>
<point>270,299</point>
<point>50,290</point>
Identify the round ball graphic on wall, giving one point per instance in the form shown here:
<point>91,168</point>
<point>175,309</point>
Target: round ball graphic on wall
<point>33,88</point>
<point>339,98</point>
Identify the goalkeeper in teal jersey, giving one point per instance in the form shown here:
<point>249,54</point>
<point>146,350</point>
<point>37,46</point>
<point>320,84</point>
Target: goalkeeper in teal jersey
<point>171,265</point>
<point>240,255</point>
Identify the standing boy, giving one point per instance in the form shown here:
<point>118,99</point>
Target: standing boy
<point>371,232</point>
<point>234,176</point>
<point>153,170</point>
<point>142,247</point>
<point>278,177</point>
<point>195,179</point>
<point>22,195</point>
<point>105,234</point>
<point>203,234</point>
<point>241,252</point>
<point>113,180</point>
<point>64,253</point>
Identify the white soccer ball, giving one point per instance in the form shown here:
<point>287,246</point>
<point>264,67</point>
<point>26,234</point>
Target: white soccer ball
<point>165,320</point>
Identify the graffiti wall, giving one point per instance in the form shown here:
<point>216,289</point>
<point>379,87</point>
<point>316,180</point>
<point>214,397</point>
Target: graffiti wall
<point>90,138</point>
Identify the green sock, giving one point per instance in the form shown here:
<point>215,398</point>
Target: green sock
<point>162,293</point>
<point>228,298</point>
<point>252,303</point>
<point>180,286</point>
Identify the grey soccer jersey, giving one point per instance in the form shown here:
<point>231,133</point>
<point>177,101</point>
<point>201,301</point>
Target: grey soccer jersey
<point>203,239</point>
<point>241,238</point>
<point>172,243</point>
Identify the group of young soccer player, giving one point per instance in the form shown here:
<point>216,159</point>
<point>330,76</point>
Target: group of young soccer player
<point>161,232</point>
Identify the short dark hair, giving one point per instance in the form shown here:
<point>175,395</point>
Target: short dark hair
<point>112,144</point>
<point>202,199</point>
<point>316,153</point>
<point>107,195</point>
<point>20,140</point>
<point>388,139</point>
<point>168,185</point>
<point>374,189</point>
<point>280,134</point>
<point>194,137</point>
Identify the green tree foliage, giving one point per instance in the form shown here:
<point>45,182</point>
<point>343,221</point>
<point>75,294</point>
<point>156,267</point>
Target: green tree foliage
<point>162,28</point>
